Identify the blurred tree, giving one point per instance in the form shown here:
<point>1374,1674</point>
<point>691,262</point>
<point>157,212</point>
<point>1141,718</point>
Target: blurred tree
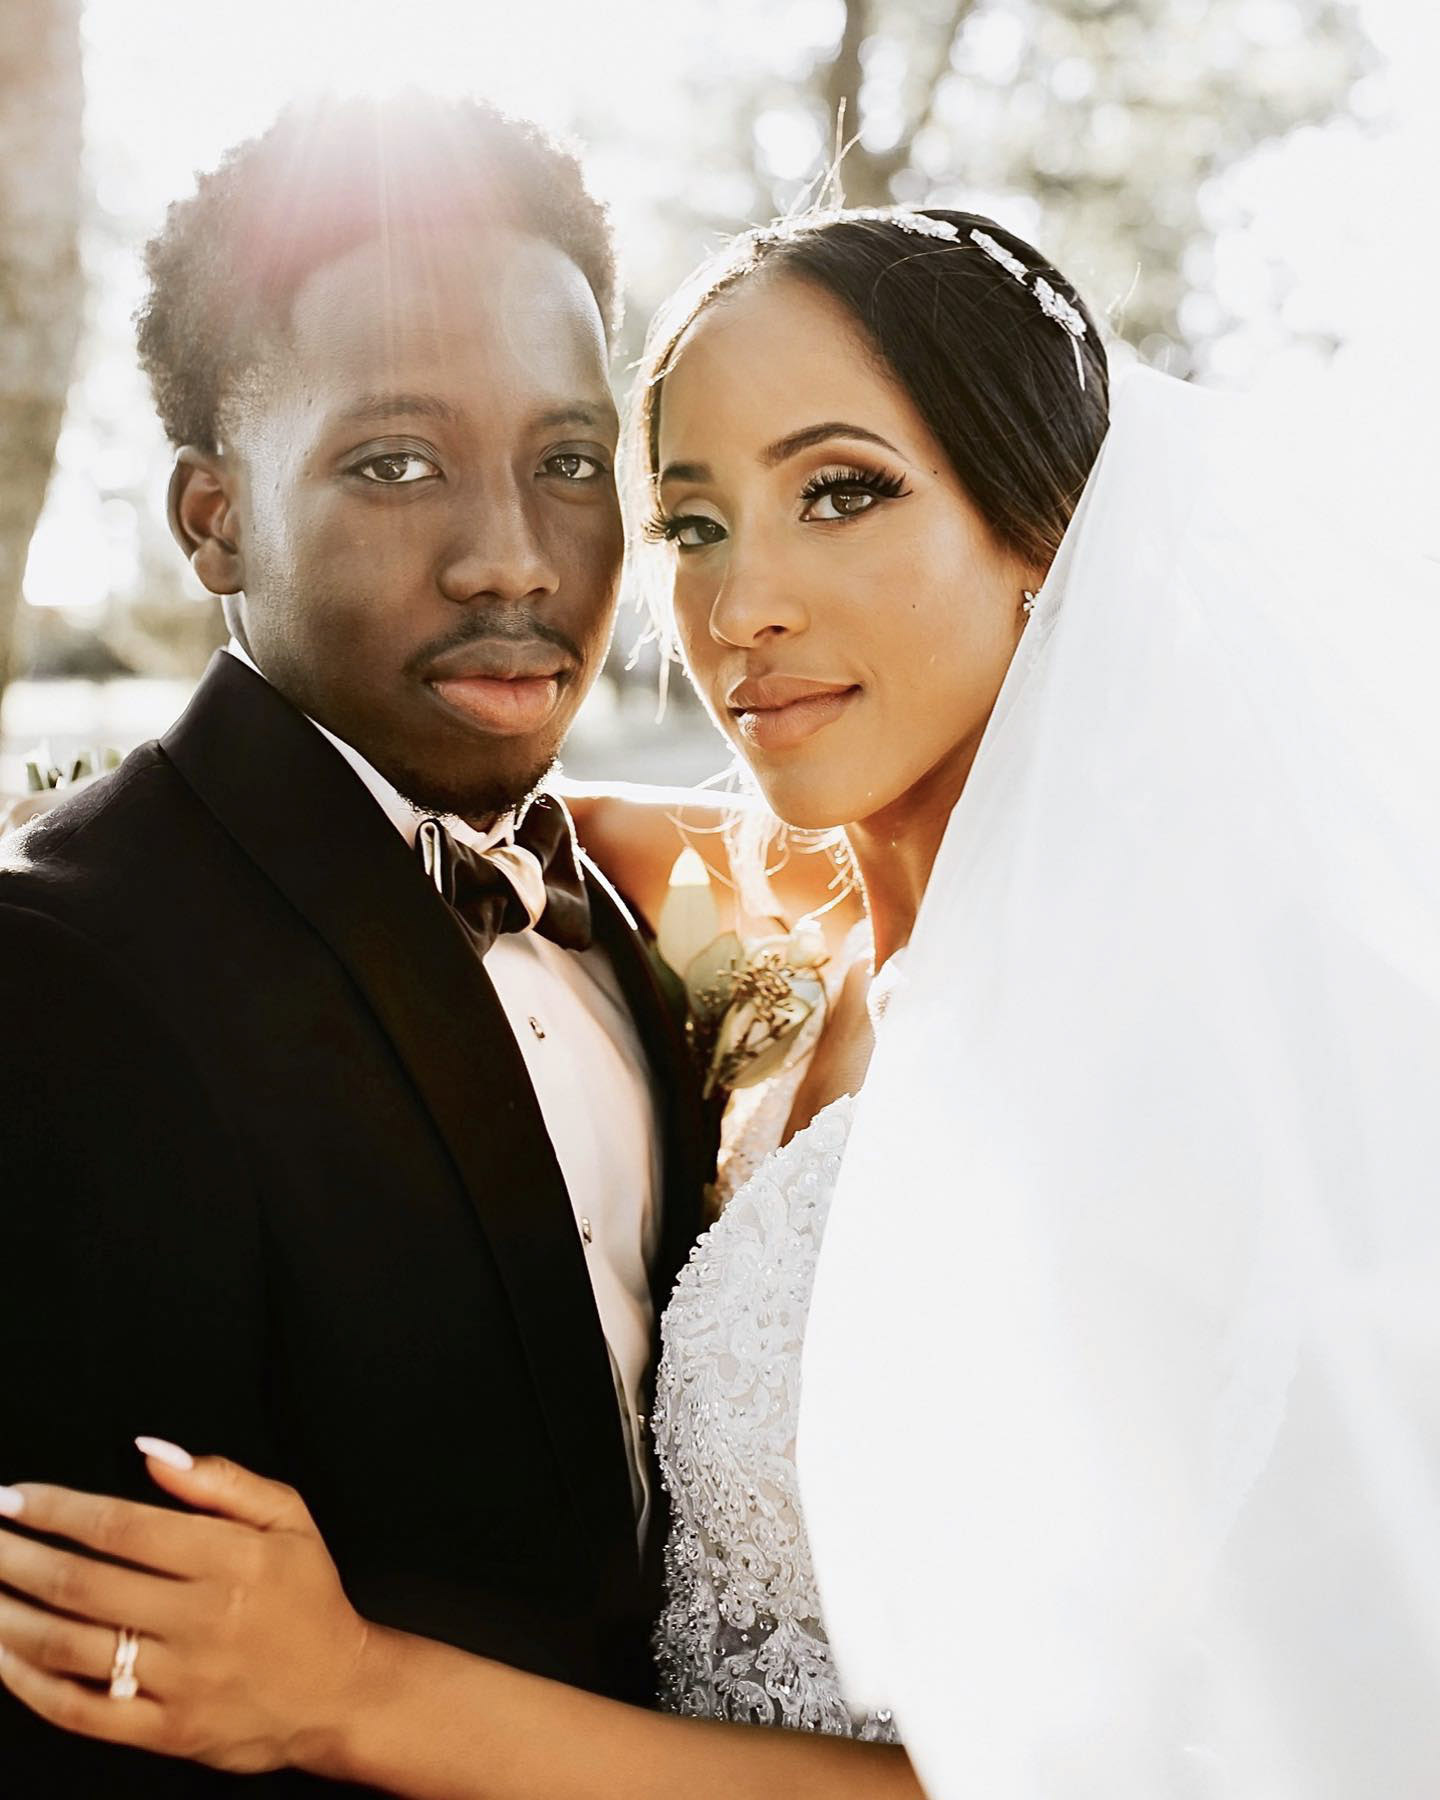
<point>1096,127</point>
<point>41,290</point>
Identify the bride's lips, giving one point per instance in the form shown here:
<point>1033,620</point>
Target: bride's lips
<point>775,712</point>
<point>505,690</point>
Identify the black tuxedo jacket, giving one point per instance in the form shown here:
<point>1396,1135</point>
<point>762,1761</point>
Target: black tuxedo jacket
<point>274,1183</point>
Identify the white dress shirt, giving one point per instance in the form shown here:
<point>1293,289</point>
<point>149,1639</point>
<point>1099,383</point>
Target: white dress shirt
<point>592,1081</point>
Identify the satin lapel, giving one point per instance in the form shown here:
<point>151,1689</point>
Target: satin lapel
<point>292,804</point>
<point>690,1131</point>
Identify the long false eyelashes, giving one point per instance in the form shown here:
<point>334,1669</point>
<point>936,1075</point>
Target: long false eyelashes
<point>662,527</point>
<point>850,479</point>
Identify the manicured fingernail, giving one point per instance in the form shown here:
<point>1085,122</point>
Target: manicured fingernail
<point>12,1503</point>
<point>170,1454</point>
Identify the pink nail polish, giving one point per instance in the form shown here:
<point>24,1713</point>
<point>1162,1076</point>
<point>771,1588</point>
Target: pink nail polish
<point>12,1503</point>
<point>164,1452</point>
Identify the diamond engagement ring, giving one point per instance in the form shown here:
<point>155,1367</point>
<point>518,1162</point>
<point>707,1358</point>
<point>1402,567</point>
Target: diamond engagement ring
<point>123,1685</point>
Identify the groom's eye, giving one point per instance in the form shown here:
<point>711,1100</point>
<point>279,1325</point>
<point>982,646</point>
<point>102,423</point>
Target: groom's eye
<point>575,466</point>
<point>395,468</point>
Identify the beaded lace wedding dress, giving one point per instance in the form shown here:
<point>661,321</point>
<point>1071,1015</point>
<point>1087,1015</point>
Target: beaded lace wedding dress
<point>741,1636</point>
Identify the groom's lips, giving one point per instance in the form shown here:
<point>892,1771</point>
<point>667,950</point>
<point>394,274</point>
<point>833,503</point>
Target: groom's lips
<point>506,690</point>
<point>774,712</point>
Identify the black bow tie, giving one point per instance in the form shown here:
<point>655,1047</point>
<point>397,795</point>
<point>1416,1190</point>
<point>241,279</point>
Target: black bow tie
<point>495,891</point>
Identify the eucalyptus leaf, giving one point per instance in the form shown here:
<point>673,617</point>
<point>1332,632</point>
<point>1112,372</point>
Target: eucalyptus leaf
<point>776,1052</point>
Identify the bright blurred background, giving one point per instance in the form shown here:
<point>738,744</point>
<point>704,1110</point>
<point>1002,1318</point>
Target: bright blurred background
<point>1245,188</point>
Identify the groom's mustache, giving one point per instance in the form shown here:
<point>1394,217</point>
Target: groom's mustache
<point>512,633</point>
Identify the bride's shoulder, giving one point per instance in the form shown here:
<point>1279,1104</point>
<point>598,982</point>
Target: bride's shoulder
<point>636,832</point>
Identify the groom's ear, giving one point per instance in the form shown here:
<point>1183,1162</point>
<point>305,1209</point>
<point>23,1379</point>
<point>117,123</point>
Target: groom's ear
<point>203,520</point>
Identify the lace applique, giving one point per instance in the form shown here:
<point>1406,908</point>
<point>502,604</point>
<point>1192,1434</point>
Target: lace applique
<point>741,1637</point>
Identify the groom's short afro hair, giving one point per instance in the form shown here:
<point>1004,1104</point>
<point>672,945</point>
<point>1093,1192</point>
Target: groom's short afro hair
<point>224,270</point>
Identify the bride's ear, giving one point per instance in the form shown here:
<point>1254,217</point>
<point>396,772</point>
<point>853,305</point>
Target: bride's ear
<point>202,519</point>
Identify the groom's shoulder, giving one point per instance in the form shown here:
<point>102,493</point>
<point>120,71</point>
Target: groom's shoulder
<point>102,848</point>
<point>144,797</point>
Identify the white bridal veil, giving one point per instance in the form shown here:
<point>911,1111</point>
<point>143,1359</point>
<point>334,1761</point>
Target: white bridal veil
<point>1120,1433</point>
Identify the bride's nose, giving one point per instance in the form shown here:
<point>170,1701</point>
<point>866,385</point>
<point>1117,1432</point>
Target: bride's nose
<point>753,604</point>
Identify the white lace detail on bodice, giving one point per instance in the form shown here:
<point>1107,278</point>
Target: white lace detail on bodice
<point>741,1637</point>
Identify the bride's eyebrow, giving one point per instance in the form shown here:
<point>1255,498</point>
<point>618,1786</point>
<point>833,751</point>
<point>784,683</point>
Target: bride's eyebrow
<point>681,471</point>
<point>810,435</point>
<point>784,448</point>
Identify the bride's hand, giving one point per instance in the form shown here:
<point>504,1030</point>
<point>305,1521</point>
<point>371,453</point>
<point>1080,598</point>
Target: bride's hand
<point>249,1652</point>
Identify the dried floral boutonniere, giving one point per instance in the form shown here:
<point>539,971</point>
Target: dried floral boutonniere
<point>48,784</point>
<point>42,775</point>
<point>749,1001</point>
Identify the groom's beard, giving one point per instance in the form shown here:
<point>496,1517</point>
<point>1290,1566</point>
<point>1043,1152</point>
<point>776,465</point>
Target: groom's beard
<point>478,803</point>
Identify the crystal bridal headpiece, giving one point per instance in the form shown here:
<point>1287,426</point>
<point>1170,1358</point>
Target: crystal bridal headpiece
<point>1054,305</point>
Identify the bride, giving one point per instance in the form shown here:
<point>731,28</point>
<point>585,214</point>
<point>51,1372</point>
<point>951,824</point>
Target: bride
<point>864,437</point>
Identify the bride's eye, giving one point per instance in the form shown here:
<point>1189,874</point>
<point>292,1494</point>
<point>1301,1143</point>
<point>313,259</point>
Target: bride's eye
<point>395,468</point>
<point>832,495</point>
<point>688,531</point>
<point>839,503</point>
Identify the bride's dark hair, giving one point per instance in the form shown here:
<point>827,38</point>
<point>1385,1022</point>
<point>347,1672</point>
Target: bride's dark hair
<point>992,374</point>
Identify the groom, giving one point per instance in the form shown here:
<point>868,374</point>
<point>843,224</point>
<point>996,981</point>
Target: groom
<point>311,1152</point>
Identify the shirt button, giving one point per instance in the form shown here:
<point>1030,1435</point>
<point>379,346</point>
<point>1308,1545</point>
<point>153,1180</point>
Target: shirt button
<point>536,1026</point>
<point>586,1232</point>
<point>642,1422</point>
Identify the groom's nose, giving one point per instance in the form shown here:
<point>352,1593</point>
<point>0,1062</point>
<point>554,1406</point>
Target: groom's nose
<point>496,551</point>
